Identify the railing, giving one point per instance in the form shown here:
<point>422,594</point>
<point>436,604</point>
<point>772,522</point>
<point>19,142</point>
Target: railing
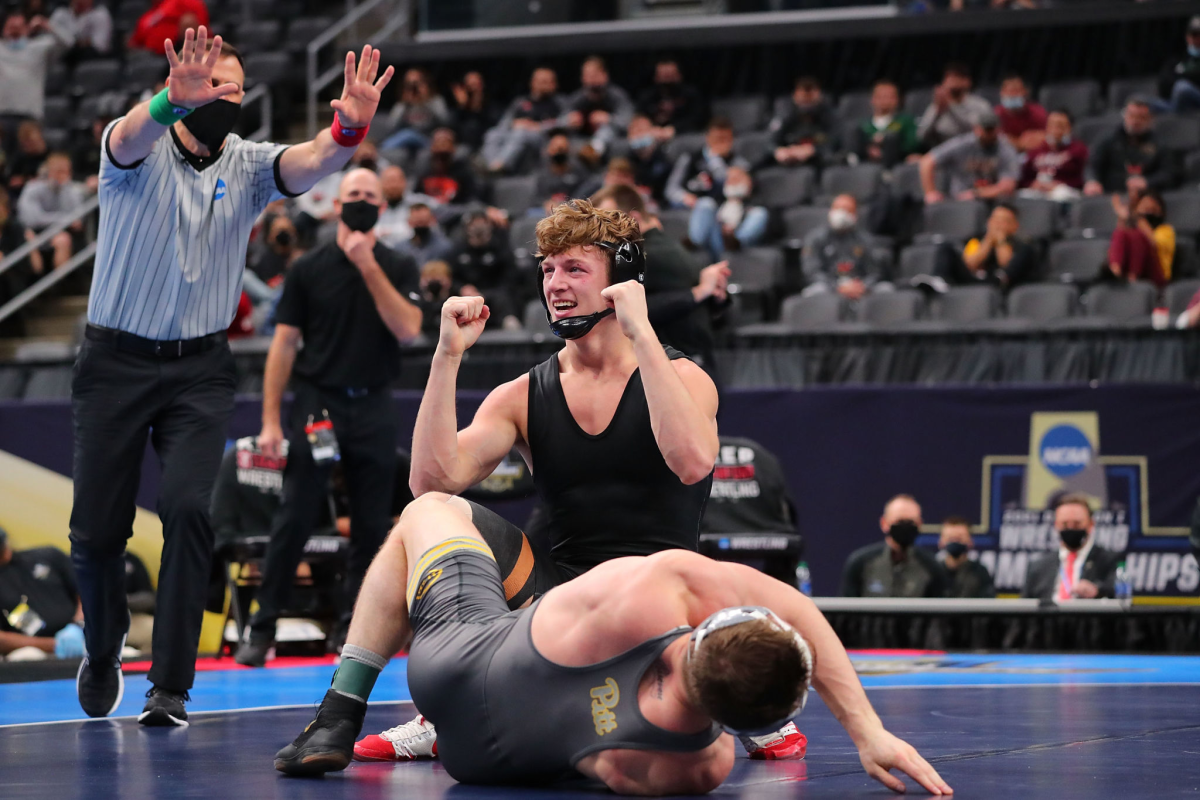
<point>260,94</point>
<point>317,82</point>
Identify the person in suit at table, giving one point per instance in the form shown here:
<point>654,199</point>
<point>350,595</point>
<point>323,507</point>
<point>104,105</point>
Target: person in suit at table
<point>1080,569</point>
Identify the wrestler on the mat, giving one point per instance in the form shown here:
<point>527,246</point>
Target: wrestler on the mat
<point>600,676</point>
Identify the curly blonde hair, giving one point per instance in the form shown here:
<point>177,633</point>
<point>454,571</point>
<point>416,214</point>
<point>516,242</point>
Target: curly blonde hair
<point>578,222</point>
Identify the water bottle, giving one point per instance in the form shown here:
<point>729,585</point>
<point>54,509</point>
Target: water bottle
<point>804,578</point>
<point>1123,589</point>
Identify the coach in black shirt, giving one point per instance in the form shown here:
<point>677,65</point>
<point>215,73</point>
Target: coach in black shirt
<point>350,300</point>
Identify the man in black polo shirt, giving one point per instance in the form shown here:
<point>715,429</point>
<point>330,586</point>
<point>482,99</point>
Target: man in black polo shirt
<point>350,300</point>
<point>39,604</point>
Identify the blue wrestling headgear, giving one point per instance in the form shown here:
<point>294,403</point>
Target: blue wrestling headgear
<point>628,263</point>
<point>736,615</point>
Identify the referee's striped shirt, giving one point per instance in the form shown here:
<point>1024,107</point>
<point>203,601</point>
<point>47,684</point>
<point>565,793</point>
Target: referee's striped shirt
<point>173,232</point>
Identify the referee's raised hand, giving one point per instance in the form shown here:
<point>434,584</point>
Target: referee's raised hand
<point>190,82</point>
<point>360,97</point>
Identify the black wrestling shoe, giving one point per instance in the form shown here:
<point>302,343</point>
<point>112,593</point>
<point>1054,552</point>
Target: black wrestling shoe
<point>253,652</point>
<point>164,709</point>
<point>100,685</point>
<point>327,744</point>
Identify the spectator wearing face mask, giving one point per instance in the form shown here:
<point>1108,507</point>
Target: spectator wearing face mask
<point>702,174</point>
<point>448,179</point>
<point>965,578</point>
<point>562,176</point>
<point>274,252</point>
<point>734,223</point>
<point>670,103</point>
<point>894,567</point>
<point>1054,170</point>
<point>1143,245</point>
<point>522,131</point>
<point>88,25</point>
<point>953,110</point>
<point>1022,121</point>
<point>417,113</point>
<point>1179,85</point>
<point>315,212</point>
<point>393,228</point>
<point>1001,258</point>
<point>25,164</point>
<point>648,157</point>
<point>26,46</point>
<point>482,263</point>
<point>164,20</point>
<point>980,165</point>
<point>804,132</point>
<point>599,110</point>
<point>437,286</point>
<point>46,199</point>
<point>428,243</point>
<point>889,136</point>
<point>474,111</point>
<point>1080,569</point>
<point>1130,159</point>
<point>838,258</point>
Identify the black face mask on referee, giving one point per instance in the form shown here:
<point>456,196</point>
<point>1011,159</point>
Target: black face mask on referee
<point>210,124</point>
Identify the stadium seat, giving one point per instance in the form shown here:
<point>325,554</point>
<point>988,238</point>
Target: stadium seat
<point>989,92</point>
<point>1039,218</point>
<point>783,187</point>
<point>515,194</point>
<point>97,76</point>
<point>1077,260</point>
<point>955,219</point>
<point>756,269</point>
<point>1178,294</point>
<point>684,143</point>
<point>854,106</point>
<point>12,383</point>
<point>56,113</point>
<point>862,181</point>
<point>47,383</point>
<point>521,233</point>
<point>1120,89</point>
<point>917,259</point>
<point>1091,130</point>
<point>917,100</point>
<point>1124,301</point>
<point>1095,214</point>
<point>269,68</point>
<point>258,35</point>
<point>675,222</point>
<point>1183,211</point>
<point>1191,168</point>
<point>1081,98</point>
<point>800,221</point>
<point>906,181</point>
<point>1177,132</point>
<point>303,30</point>
<point>967,304</point>
<point>815,311</point>
<point>56,138</point>
<point>753,146</point>
<point>745,112</point>
<point>890,308</point>
<point>143,73</point>
<point>1042,302</point>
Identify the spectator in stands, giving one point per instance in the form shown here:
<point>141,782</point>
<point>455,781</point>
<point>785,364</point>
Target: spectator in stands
<point>427,243</point>
<point>670,103</point>
<point>803,133</point>
<point>482,263</point>
<point>448,178</point>
<point>953,110</point>
<point>734,223</point>
<point>522,130</point>
<point>682,300</point>
<point>393,228</point>
<point>702,174</point>
<point>889,136</point>
<point>474,112</point>
<point>837,257</point>
<point>247,490</point>
<point>166,19</point>
<point>894,567</point>
<point>46,199</point>
<point>89,27</point>
<point>1143,245</point>
<point>599,110</point>
<point>85,156</point>
<point>437,285</point>
<point>25,164</point>
<point>1001,258</point>
<point>13,235</point>
<point>315,213</point>
<point>1054,170</point>
<point>272,254</point>
<point>561,176</point>
<point>1179,85</point>
<point>41,612</point>
<point>1129,159</point>
<point>980,165</point>
<point>1080,568</point>
<point>648,157</point>
<point>965,578</point>
<point>1022,121</point>
<point>418,112</point>
<point>26,46</point>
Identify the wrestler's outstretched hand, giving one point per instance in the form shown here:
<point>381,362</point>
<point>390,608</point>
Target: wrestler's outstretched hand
<point>882,752</point>
<point>463,319</point>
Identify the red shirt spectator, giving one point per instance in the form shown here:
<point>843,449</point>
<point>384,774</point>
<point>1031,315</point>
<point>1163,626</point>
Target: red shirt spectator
<point>243,324</point>
<point>1019,115</point>
<point>1056,163</point>
<point>161,22</point>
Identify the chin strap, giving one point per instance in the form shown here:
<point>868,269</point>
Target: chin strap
<point>574,327</point>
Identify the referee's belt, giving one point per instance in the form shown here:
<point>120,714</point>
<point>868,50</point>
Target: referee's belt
<point>159,348</point>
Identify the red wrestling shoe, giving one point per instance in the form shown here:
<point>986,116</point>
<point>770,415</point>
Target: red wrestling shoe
<point>787,743</point>
<point>407,742</point>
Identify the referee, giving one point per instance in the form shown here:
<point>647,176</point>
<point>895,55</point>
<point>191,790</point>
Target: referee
<point>350,301</point>
<point>175,219</point>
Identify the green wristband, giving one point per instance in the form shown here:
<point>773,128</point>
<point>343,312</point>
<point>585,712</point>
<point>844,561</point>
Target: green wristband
<point>164,112</point>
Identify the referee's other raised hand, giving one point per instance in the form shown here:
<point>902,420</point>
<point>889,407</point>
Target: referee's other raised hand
<point>360,96</point>
<point>190,83</point>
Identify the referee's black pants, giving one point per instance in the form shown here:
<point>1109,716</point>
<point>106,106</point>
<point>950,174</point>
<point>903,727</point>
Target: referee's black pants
<point>183,405</point>
<point>365,426</point>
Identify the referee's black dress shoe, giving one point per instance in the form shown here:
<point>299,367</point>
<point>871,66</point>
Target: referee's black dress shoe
<point>253,652</point>
<point>164,709</point>
<point>327,744</point>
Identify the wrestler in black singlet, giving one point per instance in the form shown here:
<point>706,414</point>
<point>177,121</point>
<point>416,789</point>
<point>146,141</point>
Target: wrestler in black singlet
<point>606,496</point>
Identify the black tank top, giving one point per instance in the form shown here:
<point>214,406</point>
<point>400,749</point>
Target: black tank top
<point>611,494</point>
<point>546,717</point>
